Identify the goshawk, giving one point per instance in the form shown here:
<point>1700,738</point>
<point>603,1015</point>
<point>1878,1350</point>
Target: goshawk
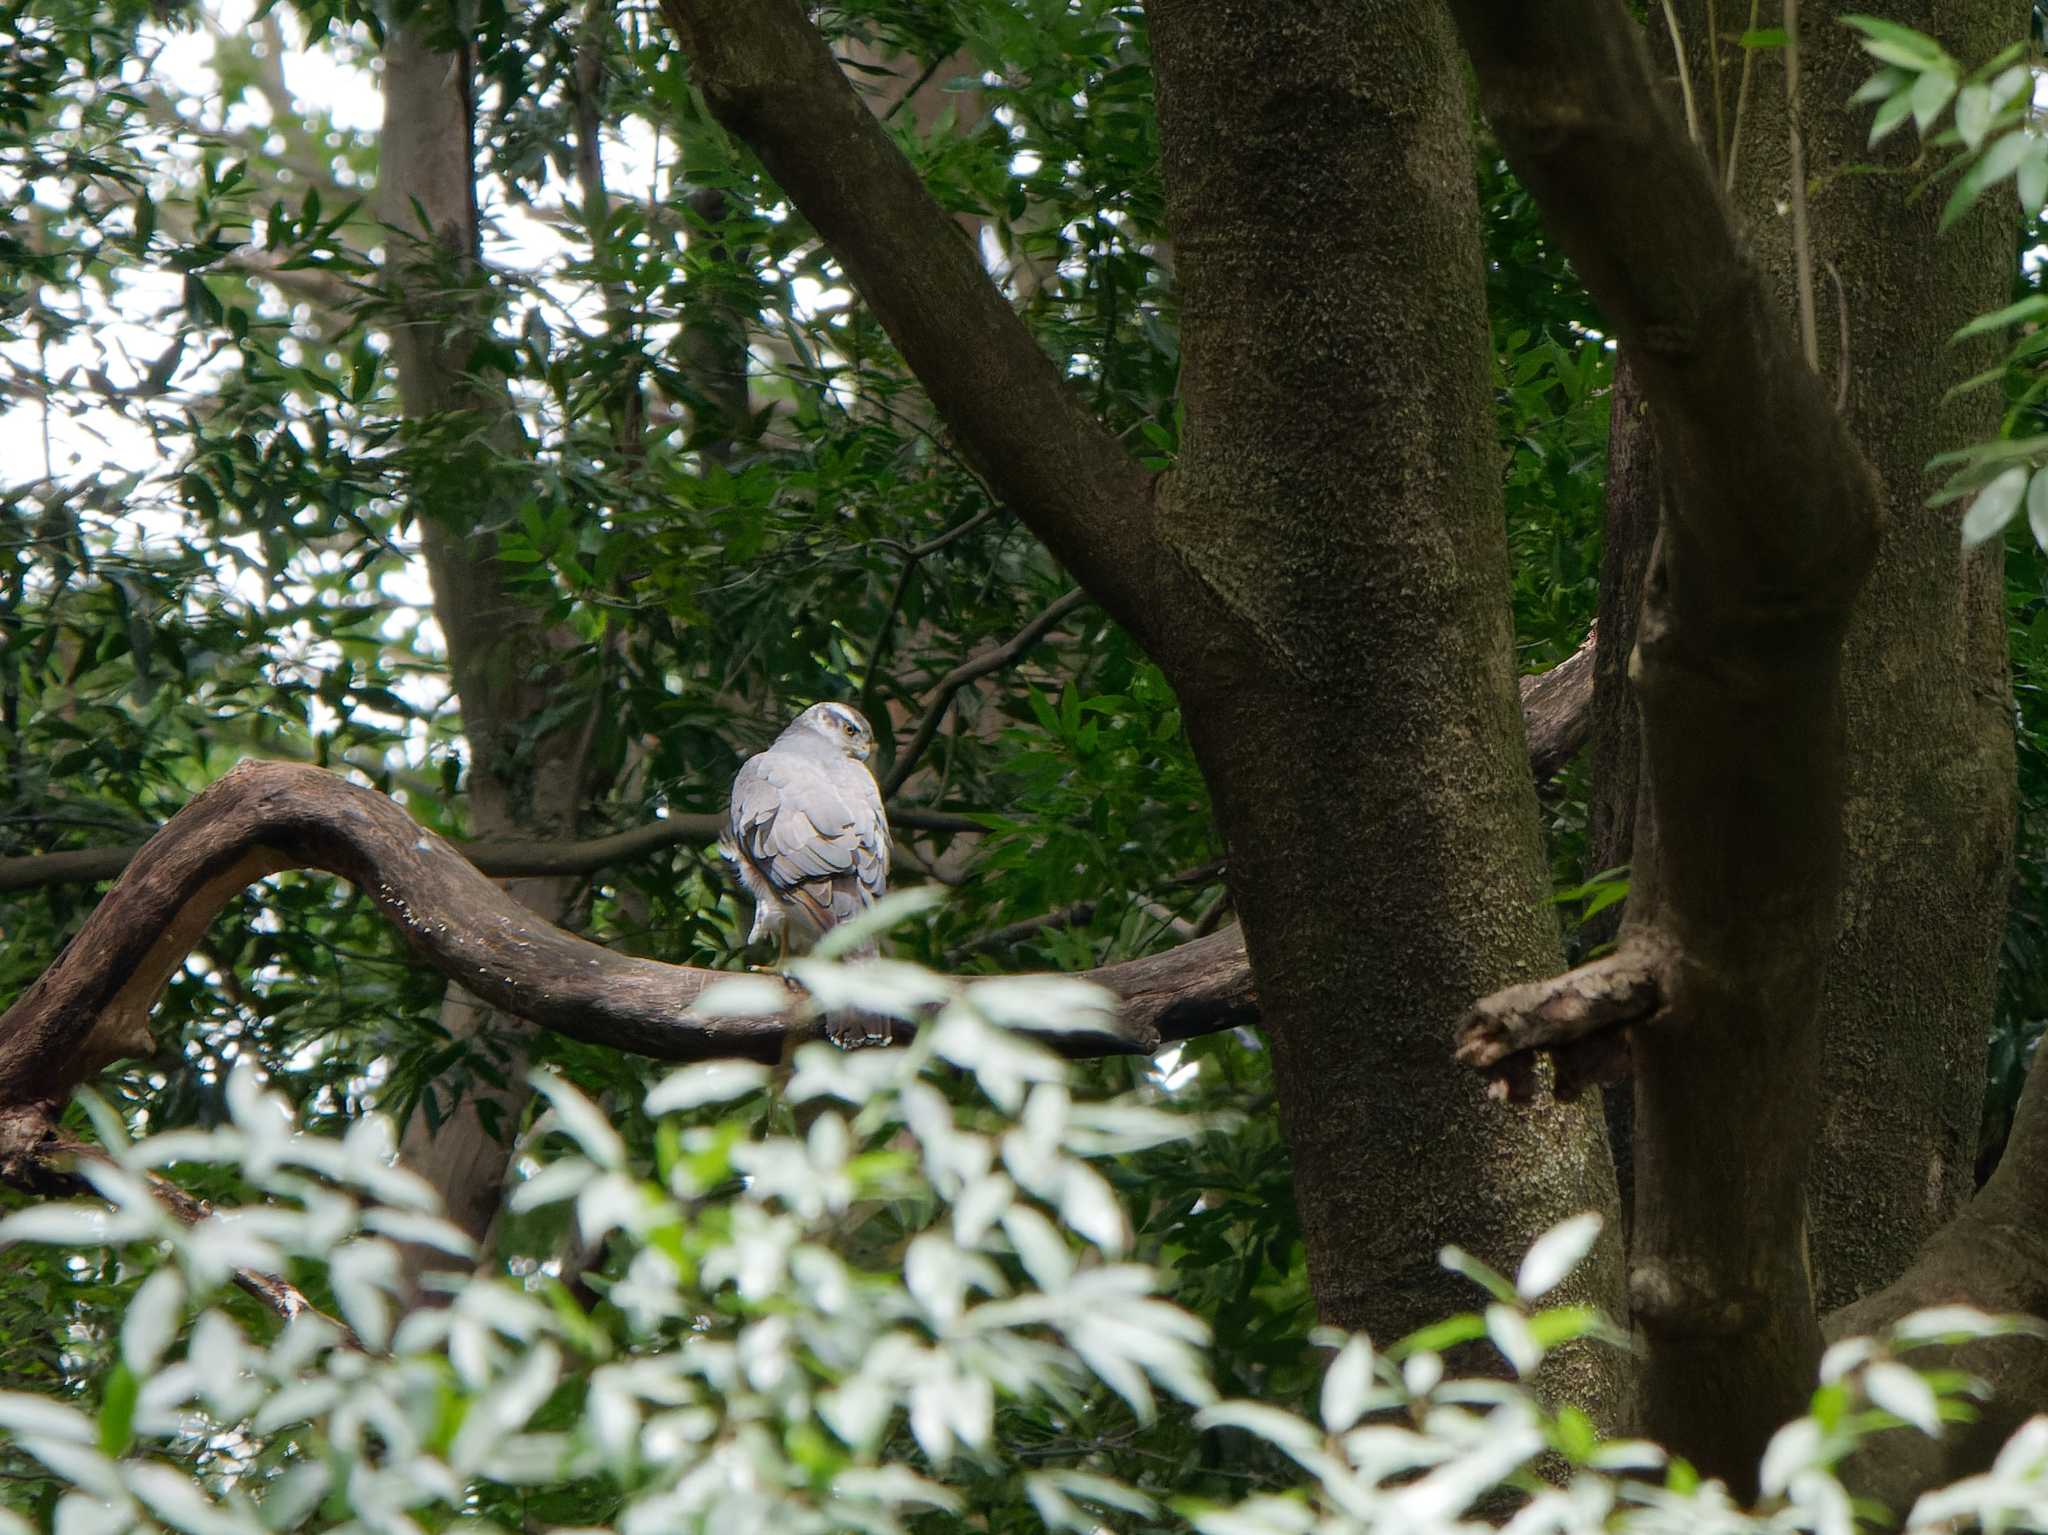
<point>810,841</point>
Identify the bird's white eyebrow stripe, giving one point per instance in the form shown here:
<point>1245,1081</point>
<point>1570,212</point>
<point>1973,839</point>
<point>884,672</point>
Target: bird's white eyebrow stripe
<point>842,714</point>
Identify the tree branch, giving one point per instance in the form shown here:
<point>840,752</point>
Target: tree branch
<point>769,78</point>
<point>1635,206</point>
<point>1080,914</point>
<point>913,557</point>
<point>1575,1016</point>
<point>91,1006</point>
<point>1557,710</point>
<point>967,671</point>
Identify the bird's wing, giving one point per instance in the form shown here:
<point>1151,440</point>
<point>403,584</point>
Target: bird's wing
<point>814,831</point>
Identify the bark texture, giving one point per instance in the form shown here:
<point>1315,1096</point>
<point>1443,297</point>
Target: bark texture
<point>1634,507</point>
<point>1769,526</point>
<point>1928,817</point>
<point>1338,499</point>
<point>1994,1256</point>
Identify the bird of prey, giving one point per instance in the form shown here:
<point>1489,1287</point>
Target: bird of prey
<point>809,840</point>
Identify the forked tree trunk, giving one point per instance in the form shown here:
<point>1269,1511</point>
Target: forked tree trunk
<point>1768,527</point>
<point>1928,814</point>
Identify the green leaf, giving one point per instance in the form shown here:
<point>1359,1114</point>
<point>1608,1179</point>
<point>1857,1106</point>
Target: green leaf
<point>2009,86</point>
<point>2032,183</point>
<point>1930,94</point>
<point>2032,307</point>
<point>1903,46</point>
<point>117,1411</point>
<point>1555,1254</point>
<point>1973,114</point>
<point>2037,506</point>
<point>1890,115</point>
<point>1881,86</point>
<point>1765,37</point>
<point>1994,507</point>
<point>1466,1327</point>
<point>1574,1435</point>
<point>1999,161</point>
<point>1489,1279</point>
<point>1973,383</point>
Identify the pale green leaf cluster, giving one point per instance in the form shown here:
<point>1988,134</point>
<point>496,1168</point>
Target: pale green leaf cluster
<point>1992,124</point>
<point>761,1366</point>
<point>1991,135</point>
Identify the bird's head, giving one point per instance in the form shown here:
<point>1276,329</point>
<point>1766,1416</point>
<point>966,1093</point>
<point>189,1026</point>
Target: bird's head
<point>842,725</point>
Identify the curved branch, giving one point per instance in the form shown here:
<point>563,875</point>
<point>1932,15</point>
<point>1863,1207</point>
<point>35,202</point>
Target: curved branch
<point>91,1006</point>
<point>967,671</point>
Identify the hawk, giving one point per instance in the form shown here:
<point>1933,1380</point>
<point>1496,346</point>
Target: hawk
<point>809,840</point>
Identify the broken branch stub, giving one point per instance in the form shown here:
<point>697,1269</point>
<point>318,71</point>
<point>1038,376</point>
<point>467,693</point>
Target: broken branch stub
<point>1580,1018</point>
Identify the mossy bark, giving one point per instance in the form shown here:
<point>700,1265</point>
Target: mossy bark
<point>1338,499</point>
<point>1769,519</point>
<point>1928,815</point>
<point>1323,577</point>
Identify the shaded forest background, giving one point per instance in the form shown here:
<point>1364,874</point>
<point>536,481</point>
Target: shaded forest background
<point>714,495</point>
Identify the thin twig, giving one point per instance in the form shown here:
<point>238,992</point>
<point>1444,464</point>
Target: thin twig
<point>1802,239</point>
<point>912,559</point>
<point>966,672</point>
<point>503,859</point>
<point>923,79</point>
<point>1714,63</point>
<point>1211,915</point>
<point>1842,354</point>
<point>1692,110</point>
<point>1081,913</point>
<point>1741,102</point>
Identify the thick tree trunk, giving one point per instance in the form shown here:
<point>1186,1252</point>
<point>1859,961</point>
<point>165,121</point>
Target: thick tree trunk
<point>506,662</point>
<point>1928,817</point>
<point>1338,497</point>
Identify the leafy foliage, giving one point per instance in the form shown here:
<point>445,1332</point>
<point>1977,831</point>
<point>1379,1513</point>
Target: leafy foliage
<point>909,1308</point>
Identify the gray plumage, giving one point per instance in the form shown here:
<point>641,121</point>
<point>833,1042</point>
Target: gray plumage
<point>809,839</point>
